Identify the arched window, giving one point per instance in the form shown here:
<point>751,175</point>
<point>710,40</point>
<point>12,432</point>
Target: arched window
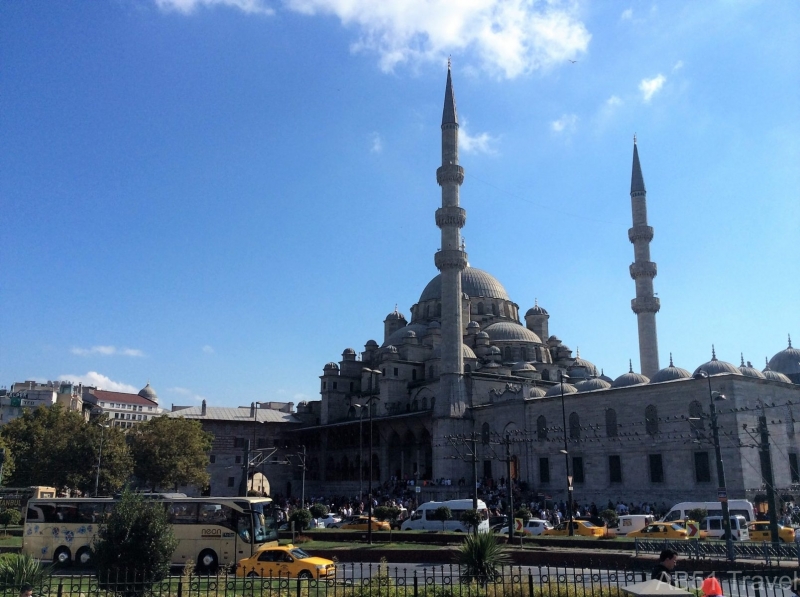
<point>351,412</point>
<point>696,416</point>
<point>430,372</point>
<point>424,403</point>
<point>611,423</point>
<point>524,353</point>
<point>413,375</point>
<point>546,375</point>
<point>467,368</point>
<point>485,433</point>
<point>541,428</point>
<point>651,419</point>
<point>481,309</point>
<point>789,421</point>
<point>574,426</point>
<point>494,308</point>
<point>427,311</point>
<point>438,309</point>
<point>414,404</point>
<point>502,309</point>
<point>508,354</point>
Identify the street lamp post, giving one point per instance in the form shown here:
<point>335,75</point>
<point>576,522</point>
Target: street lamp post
<point>723,489</point>
<point>565,451</point>
<point>373,374</point>
<point>99,459</point>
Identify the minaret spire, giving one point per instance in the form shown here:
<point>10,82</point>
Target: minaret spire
<point>451,259</point>
<point>642,270</point>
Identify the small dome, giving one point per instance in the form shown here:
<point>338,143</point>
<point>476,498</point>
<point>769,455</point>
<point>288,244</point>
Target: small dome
<point>371,343</point>
<point>466,352</point>
<point>391,349</point>
<point>493,350</point>
<point>629,379</point>
<point>507,331</point>
<point>482,335</point>
<point>395,315</point>
<point>775,376</point>
<point>670,373</point>
<point>349,352</point>
<point>536,309</point>
<point>331,367</point>
<point>605,377</point>
<point>434,325</point>
<point>148,393</point>
<point>717,367</point>
<point>410,334</point>
<point>536,392</point>
<point>396,337</point>
<point>750,371</point>
<point>595,383</point>
<point>554,340</point>
<point>579,362</point>
<point>786,361</point>
<point>556,390</point>
<point>522,366</point>
<point>473,324</point>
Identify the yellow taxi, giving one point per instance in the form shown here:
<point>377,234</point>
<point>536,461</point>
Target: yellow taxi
<point>582,528</point>
<point>759,531</point>
<point>661,530</point>
<point>359,523</point>
<point>285,561</point>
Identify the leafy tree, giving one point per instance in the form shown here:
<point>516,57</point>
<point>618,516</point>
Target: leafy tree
<point>471,519</point>
<point>610,517</point>
<point>9,516</point>
<point>482,558</point>
<point>133,549</point>
<point>169,452</point>
<point>318,510</point>
<point>442,513</point>
<point>389,513</point>
<point>523,513</point>
<point>697,514</point>
<point>301,518</point>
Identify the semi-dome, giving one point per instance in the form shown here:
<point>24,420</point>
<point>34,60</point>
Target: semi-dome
<point>556,390</point>
<point>630,378</point>
<point>396,337</point>
<point>595,383</point>
<point>508,331</point>
<point>786,361</point>
<point>536,309</point>
<point>775,375</point>
<point>466,352</point>
<point>522,366</point>
<point>717,367</point>
<point>474,282</point>
<point>536,392</point>
<point>149,393</point>
<point>749,371</point>
<point>670,373</point>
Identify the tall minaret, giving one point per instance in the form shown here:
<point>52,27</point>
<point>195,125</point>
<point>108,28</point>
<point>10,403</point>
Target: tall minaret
<point>451,260</point>
<point>645,305</point>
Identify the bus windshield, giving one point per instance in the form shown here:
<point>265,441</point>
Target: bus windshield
<point>264,522</point>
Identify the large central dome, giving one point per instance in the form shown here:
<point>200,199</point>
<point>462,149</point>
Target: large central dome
<point>474,283</point>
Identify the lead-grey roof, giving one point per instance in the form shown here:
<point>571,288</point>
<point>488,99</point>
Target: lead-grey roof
<point>449,113</point>
<point>507,331</point>
<point>237,414</point>
<point>637,180</point>
<point>474,282</point>
<point>786,361</point>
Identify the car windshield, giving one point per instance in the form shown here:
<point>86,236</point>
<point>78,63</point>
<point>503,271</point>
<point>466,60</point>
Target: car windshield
<point>586,523</point>
<point>677,527</point>
<point>299,553</point>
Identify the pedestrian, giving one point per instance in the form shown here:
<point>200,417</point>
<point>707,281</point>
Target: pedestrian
<point>665,566</point>
<point>26,590</point>
<point>711,587</point>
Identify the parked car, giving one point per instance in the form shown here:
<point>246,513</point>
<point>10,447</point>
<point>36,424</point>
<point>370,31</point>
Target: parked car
<point>328,520</point>
<point>497,522</point>
<point>283,561</point>
<point>534,526</point>
<point>759,531</point>
<point>715,529</point>
<point>584,528</point>
<point>359,523</point>
<point>660,530</point>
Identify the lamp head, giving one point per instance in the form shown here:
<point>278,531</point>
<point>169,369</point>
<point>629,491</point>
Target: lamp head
<point>701,374</point>
<point>718,396</point>
<point>563,451</point>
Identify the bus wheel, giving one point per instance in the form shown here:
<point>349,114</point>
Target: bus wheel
<point>207,560</point>
<point>84,556</point>
<point>62,557</point>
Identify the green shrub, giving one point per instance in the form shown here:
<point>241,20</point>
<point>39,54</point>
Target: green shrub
<point>471,519</point>
<point>301,519</point>
<point>481,558</point>
<point>17,569</point>
<point>610,517</point>
<point>9,516</point>
<point>523,513</point>
<point>697,514</point>
<point>442,513</point>
<point>318,510</point>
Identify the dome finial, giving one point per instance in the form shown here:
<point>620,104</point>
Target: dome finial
<point>634,138</point>
<point>742,355</point>
<point>713,353</point>
<point>766,363</point>
<point>577,352</point>
<point>535,302</point>
<point>630,365</point>
<point>670,360</point>
<point>790,340</point>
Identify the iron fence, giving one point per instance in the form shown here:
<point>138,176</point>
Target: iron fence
<point>382,580</point>
<point>769,553</point>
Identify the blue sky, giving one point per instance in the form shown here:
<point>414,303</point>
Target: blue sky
<point>220,196</point>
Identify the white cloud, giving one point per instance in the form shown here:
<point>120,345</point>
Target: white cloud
<point>186,393</point>
<point>509,37</point>
<point>613,101</point>
<point>101,382</point>
<point>627,14</point>
<point>107,351</point>
<point>187,6</point>
<point>566,124</point>
<point>480,143</point>
<point>649,87</point>
<point>377,143</point>
<point>678,66</point>
<point>208,349</point>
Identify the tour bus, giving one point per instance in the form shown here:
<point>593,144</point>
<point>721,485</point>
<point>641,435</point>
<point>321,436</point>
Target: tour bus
<point>735,507</point>
<point>211,531</point>
<point>16,498</point>
<point>421,519</point>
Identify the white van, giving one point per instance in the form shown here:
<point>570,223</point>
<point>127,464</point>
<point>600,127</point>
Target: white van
<point>714,529</point>
<point>735,508</point>
<point>421,518</point>
<point>629,523</point>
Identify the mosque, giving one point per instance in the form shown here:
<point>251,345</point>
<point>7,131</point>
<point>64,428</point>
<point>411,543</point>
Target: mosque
<point>466,386</point>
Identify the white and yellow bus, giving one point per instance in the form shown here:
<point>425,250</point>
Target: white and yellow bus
<point>211,531</point>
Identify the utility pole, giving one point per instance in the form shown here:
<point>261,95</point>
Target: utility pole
<point>767,476</point>
<point>510,490</point>
<point>472,453</point>
<point>245,469</point>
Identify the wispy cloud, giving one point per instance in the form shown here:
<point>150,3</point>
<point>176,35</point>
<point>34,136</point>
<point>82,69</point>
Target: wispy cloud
<point>377,143</point>
<point>627,14</point>
<point>566,124</point>
<point>649,87</point>
<point>480,143</point>
<point>613,101</point>
<point>107,351</point>
<point>187,6</point>
<point>509,37</point>
<point>678,66</point>
<point>208,349</point>
<point>101,382</point>
<point>186,393</point>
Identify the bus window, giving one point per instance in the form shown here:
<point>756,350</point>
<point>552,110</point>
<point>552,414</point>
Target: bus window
<point>182,513</point>
<point>67,513</point>
<point>88,512</point>
<point>243,527</point>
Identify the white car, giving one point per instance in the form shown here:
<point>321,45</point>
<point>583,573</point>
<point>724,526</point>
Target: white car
<point>535,526</point>
<point>328,520</point>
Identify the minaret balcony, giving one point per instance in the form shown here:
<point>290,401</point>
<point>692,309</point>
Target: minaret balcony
<point>451,216</point>
<point>450,259</point>
<point>449,173</point>
<point>643,269</point>
<point>646,304</point>
<point>640,233</point>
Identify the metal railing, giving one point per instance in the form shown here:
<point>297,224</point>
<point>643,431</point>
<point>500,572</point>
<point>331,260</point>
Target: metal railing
<point>382,580</point>
<point>769,553</point>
